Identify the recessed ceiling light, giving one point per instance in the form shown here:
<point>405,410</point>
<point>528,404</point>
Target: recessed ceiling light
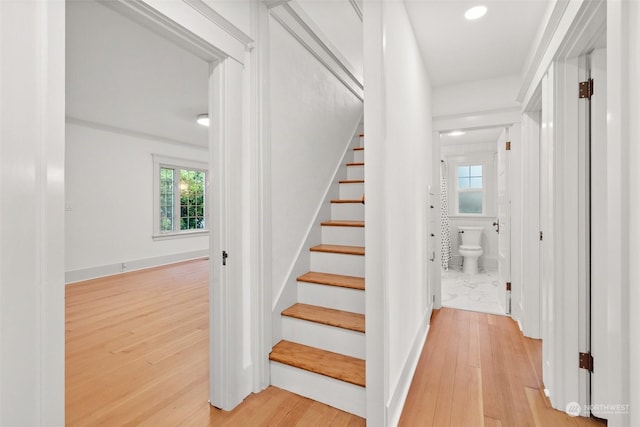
<point>475,12</point>
<point>456,133</point>
<point>203,119</point>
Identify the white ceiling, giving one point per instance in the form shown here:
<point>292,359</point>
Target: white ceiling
<point>122,75</point>
<point>456,50</point>
<point>472,136</point>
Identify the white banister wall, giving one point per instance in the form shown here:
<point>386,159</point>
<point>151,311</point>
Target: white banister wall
<point>398,175</point>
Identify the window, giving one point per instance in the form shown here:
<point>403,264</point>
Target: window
<point>470,189</point>
<point>180,197</point>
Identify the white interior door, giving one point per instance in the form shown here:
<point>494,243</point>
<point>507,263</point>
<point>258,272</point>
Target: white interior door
<point>598,228</point>
<point>504,223</point>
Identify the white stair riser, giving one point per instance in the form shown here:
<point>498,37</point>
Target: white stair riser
<point>361,142</point>
<point>339,394</point>
<point>355,172</point>
<point>358,155</point>
<point>351,236</point>
<point>330,338</point>
<point>335,297</point>
<point>347,211</point>
<point>351,191</point>
<point>349,265</point>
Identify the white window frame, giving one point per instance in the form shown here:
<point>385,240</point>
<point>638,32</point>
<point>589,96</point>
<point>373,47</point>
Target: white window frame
<point>160,161</point>
<point>459,190</point>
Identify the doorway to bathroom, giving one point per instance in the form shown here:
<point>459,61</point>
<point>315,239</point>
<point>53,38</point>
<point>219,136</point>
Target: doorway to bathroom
<point>475,214</point>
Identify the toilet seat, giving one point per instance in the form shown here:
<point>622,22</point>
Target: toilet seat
<point>470,251</point>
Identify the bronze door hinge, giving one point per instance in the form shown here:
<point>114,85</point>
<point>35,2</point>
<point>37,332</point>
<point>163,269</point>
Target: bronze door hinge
<point>585,89</point>
<point>585,361</point>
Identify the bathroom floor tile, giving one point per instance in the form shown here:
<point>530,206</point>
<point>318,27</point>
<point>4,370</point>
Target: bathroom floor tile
<point>478,292</point>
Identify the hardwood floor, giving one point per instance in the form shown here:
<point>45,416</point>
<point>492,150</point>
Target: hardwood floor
<point>478,370</point>
<point>137,355</point>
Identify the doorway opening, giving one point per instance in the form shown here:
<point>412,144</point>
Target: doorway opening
<point>138,164</point>
<point>475,219</point>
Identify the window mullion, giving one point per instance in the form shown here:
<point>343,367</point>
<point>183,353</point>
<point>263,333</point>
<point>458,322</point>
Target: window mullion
<point>176,200</point>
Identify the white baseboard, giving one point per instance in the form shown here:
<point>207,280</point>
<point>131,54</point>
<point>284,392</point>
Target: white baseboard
<point>486,263</point>
<point>399,396</point>
<point>133,265</point>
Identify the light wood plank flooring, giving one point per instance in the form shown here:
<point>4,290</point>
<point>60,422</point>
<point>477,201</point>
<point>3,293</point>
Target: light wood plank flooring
<point>137,350</point>
<point>478,370</point>
<point>137,355</point>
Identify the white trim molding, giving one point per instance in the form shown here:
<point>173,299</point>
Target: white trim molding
<point>301,27</point>
<point>357,8</point>
<point>32,320</point>
<point>258,152</point>
<point>503,117</point>
<point>220,21</point>
<point>80,275</point>
<point>193,25</point>
<point>400,392</point>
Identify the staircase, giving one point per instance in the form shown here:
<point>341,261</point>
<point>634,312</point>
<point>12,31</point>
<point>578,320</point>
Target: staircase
<point>321,355</point>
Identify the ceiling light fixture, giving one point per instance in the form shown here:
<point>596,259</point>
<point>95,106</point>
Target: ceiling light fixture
<point>475,12</point>
<point>203,119</point>
<point>456,133</point>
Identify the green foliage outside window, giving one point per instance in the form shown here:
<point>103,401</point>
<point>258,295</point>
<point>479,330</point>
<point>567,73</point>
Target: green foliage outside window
<point>192,199</point>
<point>190,188</point>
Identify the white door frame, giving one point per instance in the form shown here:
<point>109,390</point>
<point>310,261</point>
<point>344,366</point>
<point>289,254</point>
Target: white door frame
<point>239,292</point>
<point>503,217</point>
<point>480,120</point>
<point>563,302</point>
<point>530,303</point>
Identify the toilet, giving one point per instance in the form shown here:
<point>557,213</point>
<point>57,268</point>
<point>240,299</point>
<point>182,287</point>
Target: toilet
<point>470,248</point>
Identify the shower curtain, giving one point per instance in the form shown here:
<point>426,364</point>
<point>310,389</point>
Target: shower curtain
<point>445,238</point>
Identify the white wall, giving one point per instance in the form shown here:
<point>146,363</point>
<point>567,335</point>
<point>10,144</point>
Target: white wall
<point>32,55</point>
<point>313,118</point>
<point>484,153</point>
<point>109,202</point>
<point>634,212</point>
<point>398,173</point>
<point>472,97</point>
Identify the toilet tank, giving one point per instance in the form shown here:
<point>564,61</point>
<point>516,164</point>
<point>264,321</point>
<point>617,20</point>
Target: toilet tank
<point>471,235</point>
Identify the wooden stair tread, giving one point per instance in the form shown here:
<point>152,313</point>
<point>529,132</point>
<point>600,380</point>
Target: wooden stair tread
<point>330,279</point>
<point>361,135</point>
<point>339,249</point>
<point>355,164</point>
<point>351,181</point>
<point>358,148</point>
<point>342,223</point>
<point>334,365</point>
<point>346,201</point>
<point>327,316</point>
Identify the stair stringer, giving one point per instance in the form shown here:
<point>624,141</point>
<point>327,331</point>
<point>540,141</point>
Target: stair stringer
<point>287,295</point>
